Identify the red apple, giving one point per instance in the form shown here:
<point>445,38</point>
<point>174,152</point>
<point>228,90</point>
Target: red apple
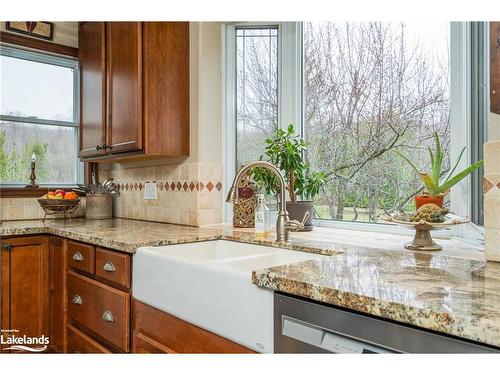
<point>60,191</point>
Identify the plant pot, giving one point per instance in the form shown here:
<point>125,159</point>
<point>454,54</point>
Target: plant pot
<point>420,200</point>
<point>297,210</point>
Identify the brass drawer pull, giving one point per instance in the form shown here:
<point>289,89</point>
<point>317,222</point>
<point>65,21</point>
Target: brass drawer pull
<point>108,316</point>
<point>78,257</point>
<point>77,300</point>
<point>7,246</point>
<point>109,267</point>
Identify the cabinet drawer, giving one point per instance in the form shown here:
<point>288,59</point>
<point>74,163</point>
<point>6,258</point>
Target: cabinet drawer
<point>142,344</point>
<point>113,266</point>
<point>81,256</point>
<point>79,342</point>
<point>100,308</point>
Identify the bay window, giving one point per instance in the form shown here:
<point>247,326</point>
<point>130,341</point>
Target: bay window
<point>356,92</point>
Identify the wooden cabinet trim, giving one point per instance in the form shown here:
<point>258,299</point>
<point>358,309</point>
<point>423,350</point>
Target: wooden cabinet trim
<point>58,296</point>
<point>495,67</point>
<point>178,335</point>
<point>142,344</point>
<point>42,45</point>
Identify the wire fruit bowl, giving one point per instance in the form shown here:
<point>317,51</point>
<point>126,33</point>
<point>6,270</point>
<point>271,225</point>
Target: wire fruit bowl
<point>59,206</point>
<point>423,239</point>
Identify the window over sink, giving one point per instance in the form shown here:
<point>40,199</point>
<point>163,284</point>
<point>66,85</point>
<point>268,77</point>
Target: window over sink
<point>38,115</point>
<point>356,91</point>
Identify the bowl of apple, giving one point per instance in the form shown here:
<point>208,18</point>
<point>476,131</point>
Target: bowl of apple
<point>59,201</point>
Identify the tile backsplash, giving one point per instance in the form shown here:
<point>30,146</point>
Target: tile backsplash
<point>28,209</point>
<point>491,189</point>
<point>188,194</point>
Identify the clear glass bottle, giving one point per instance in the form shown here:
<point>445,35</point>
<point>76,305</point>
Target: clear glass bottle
<point>261,218</point>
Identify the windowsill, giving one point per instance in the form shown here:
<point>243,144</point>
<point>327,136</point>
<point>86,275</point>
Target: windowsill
<point>24,192</point>
<point>379,241</point>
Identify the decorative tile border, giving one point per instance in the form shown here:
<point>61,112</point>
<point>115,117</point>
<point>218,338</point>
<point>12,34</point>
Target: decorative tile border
<point>182,186</point>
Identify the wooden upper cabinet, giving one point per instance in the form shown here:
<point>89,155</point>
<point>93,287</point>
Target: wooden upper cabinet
<point>124,63</point>
<point>166,87</point>
<point>92,55</point>
<point>25,285</point>
<point>146,95</point>
<point>495,67</point>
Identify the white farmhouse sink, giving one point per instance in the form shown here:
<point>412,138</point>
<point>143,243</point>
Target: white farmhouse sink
<point>209,284</point>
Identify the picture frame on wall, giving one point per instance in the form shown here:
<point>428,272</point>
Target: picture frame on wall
<point>37,29</point>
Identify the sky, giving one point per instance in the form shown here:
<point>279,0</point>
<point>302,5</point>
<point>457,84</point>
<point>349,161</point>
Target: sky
<point>36,89</point>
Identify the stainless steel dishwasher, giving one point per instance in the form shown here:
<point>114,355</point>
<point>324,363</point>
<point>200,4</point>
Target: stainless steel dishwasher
<point>303,326</point>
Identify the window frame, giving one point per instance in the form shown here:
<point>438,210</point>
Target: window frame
<point>14,189</point>
<point>291,110</point>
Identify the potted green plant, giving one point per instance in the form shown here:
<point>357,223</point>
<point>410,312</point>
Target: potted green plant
<point>435,187</point>
<point>285,150</point>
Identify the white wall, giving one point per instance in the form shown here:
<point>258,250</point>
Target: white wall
<point>493,127</point>
<point>205,92</point>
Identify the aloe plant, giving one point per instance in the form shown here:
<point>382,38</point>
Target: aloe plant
<point>432,181</point>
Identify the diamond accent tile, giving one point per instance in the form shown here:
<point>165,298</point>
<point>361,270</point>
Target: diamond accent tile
<point>172,186</point>
<point>126,186</point>
<point>140,185</point>
<point>191,186</point>
<point>202,185</point>
<point>218,186</point>
<point>185,186</point>
<point>136,186</point>
<point>179,185</point>
<point>210,186</point>
<point>160,186</point>
<point>167,186</point>
<point>487,185</point>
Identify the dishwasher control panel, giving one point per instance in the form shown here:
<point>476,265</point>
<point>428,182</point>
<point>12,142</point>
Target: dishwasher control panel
<point>324,339</point>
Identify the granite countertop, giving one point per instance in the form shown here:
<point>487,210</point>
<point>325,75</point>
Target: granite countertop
<point>118,234</point>
<point>454,295</point>
<point>127,235</point>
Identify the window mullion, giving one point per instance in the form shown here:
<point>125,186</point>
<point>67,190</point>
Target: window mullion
<point>38,121</point>
<point>290,75</point>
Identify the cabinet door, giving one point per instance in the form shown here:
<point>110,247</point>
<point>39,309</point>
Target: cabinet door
<point>25,285</point>
<point>124,62</point>
<point>58,305</point>
<point>92,54</point>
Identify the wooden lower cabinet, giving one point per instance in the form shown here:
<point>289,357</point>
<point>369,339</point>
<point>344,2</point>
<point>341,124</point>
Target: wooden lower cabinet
<point>25,285</point>
<point>85,306</point>
<point>154,327</point>
<point>80,343</point>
